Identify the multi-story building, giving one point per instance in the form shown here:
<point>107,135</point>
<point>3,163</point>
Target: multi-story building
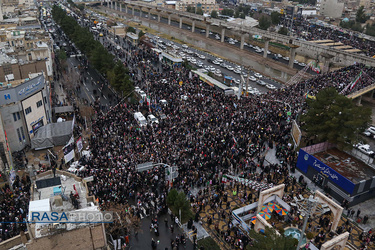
<point>331,8</point>
<point>25,106</point>
<point>206,5</point>
<point>24,52</point>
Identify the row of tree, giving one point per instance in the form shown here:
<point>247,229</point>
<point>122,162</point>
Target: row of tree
<point>99,56</point>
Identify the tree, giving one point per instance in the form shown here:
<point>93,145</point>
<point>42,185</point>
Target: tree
<point>264,22</point>
<point>361,16</point>
<point>271,240</point>
<point>141,34</point>
<point>275,17</point>
<point>214,14</point>
<point>283,31</point>
<point>370,29</point>
<point>199,11</point>
<point>172,195</point>
<point>131,29</point>
<point>227,12</point>
<point>335,118</point>
<point>177,202</point>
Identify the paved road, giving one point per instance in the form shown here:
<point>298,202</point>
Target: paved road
<point>212,35</point>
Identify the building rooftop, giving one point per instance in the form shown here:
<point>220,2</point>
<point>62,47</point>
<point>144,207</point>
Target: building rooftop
<point>44,199</point>
<point>346,165</point>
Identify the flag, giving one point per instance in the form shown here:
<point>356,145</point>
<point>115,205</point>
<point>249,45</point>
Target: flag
<point>356,80</point>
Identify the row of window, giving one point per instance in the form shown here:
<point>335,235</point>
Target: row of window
<point>21,134</point>
<point>38,104</point>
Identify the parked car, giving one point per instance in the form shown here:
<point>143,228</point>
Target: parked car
<point>252,78</point>
<point>261,83</point>
<point>257,75</point>
<point>366,149</point>
<point>270,86</point>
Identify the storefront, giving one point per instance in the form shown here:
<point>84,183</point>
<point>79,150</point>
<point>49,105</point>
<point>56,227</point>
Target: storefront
<point>340,174</point>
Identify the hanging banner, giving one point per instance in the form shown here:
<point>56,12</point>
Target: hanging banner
<point>79,144</point>
<point>69,150</point>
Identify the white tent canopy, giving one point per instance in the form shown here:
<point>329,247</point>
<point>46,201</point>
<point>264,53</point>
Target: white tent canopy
<point>39,206</point>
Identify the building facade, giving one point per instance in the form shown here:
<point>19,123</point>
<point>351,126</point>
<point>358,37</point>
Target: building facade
<point>331,8</point>
<point>206,5</point>
<point>24,108</point>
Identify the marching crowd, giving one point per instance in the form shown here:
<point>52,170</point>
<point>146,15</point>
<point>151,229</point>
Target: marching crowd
<point>206,135</point>
<point>309,31</point>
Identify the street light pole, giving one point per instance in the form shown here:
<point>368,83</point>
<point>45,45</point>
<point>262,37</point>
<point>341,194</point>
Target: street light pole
<point>308,208</point>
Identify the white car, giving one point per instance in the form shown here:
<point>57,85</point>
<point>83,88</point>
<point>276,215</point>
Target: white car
<point>252,78</point>
<point>286,58</point>
<point>365,149</point>
<point>302,64</point>
<point>236,81</point>
<point>367,133</point>
<point>244,74</point>
<point>261,83</point>
<point>237,71</point>
<point>270,86</point>
<point>185,46</point>
<point>218,71</point>
<point>218,74</point>
<point>371,130</point>
<point>201,56</point>
<point>217,37</point>
<point>232,43</point>
<point>219,60</point>
<point>216,62</point>
<point>268,52</point>
<point>230,68</point>
<point>257,75</point>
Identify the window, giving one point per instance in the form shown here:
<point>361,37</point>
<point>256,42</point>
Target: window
<point>16,116</point>
<point>28,110</point>
<point>19,135</point>
<point>23,134</point>
<point>39,103</point>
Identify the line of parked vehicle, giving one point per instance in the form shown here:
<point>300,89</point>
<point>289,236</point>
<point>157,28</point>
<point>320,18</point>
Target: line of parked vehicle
<point>197,59</point>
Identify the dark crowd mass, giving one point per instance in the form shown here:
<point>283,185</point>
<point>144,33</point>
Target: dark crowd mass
<point>310,31</point>
<point>206,135</point>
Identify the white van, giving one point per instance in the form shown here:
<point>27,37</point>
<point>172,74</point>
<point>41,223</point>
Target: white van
<point>138,116</point>
<point>152,119</point>
<point>163,102</point>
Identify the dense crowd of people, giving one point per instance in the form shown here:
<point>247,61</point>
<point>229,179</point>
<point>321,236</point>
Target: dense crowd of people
<point>309,31</point>
<point>205,135</point>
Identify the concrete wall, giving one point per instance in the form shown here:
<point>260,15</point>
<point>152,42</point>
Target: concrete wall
<point>83,238</point>
<point>341,58</point>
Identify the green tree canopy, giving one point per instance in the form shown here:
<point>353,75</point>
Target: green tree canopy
<point>264,22</point>
<point>283,31</point>
<point>214,14</point>
<point>335,118</point>
<point>177,201</point>
<point>227,12</point>
<point>361,16</point>
<point>131,29</point>
<point>275,17</point>
<point>271,240</point>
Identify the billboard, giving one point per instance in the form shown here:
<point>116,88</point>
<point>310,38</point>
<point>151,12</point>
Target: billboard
<point>296,133</point>
<point>306,160</point>
<point>22,91</point>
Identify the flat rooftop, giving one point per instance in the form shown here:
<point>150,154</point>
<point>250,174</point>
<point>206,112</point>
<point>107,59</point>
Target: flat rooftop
<point>346,165</point>
<point>47,193</point>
